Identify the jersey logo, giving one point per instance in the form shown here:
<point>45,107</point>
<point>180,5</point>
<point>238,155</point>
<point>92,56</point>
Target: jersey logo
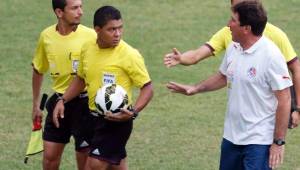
<point>108,78</point>
<point>84,144</point>
<point>96,152</point>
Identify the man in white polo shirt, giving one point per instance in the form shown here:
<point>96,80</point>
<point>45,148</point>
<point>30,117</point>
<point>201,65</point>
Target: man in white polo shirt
<point>259,100</point>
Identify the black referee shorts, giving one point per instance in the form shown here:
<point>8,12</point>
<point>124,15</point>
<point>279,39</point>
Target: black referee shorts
<point>109,141</point>
<point>77,122</point>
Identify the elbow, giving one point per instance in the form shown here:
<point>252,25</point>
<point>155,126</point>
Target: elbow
<point>285,100</point>
<point>148,89</point>
<point>151,91</point>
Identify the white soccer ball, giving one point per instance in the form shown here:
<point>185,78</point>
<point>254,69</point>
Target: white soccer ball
<point>111,97</point>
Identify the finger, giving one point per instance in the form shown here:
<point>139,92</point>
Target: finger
<point>113,118</point>
<point>55,121</point>
<point>282,154</point>
<point>175,51</point>
<point>189,91</point>
<point>177,87</point>
<point>174,88</point>
<point>169,55</point>
<point>170,86</point>
<point>271,160</point>
<point>174,84</point>
<point>61,113</point>
<point>275,161</point>
<point>126,112</point>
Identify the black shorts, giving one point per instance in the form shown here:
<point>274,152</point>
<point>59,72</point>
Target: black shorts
<point>110,139</point>
<point>77,122</point>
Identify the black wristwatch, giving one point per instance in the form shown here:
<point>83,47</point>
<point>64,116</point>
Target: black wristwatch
<point>279,142</point>
<point>297,109</point>
<point>135,114</point>
<point>60,98</point>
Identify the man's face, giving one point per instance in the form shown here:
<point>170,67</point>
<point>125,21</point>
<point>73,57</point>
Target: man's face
<point>235,28</point>
<point>72,12</point>
<point>110,34</point>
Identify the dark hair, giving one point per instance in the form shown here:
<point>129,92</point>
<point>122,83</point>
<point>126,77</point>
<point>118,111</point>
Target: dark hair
<point>105,14</point>
<point>60,4</point>
<point>251,13</point>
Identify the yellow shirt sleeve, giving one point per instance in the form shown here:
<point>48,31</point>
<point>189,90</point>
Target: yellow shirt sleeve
<point>40,61</point>
<point>137,70</point>
<point>220,40</point>
<point>80,65</point>
<point>281,40</point>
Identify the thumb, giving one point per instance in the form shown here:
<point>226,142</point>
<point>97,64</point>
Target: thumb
<point>175,51</point>
<point>56,122</point>
<point>61,114</point>
<point>126,111</point>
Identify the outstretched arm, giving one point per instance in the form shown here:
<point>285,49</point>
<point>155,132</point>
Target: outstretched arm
<point>215,82</point>
<point>188,58</point>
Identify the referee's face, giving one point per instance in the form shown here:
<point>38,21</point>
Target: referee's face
<point>110,34</point>
<point>72,12</point>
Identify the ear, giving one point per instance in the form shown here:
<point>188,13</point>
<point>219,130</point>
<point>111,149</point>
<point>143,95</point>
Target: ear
<point>58,12</point>
<point>248,28</point>
<point>97,29</point>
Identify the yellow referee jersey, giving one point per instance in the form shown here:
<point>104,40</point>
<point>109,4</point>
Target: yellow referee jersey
<point>223,38</point>
<point>60,54</point>
<point>122,65</point>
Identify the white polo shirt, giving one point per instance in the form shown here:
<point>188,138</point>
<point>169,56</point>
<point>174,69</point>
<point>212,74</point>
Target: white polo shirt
<point>252,76</point>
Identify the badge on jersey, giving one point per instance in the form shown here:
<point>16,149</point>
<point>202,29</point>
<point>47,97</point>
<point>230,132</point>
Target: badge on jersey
<point>74,57</point>
<point>108,78</point>
<point>251,72</point>
<point>75,64</point>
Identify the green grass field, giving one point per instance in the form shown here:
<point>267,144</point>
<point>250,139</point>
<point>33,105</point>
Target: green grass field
<point>174,132</point>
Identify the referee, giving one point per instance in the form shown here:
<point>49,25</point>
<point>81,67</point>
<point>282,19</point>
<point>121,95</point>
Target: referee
<point>58,51</point>
<point>109,59</point>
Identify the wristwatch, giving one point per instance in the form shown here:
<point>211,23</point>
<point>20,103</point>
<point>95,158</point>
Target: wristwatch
<point>279,142</point>
<point>135,114</point>
<point>61,98</point>
<point>297,109</point>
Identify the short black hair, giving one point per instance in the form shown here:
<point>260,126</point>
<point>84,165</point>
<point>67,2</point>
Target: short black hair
<point>105,14</point>
<point>60,4</point>
<point>252,13</point>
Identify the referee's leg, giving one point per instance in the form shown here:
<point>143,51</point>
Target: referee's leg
<point>52,155</point>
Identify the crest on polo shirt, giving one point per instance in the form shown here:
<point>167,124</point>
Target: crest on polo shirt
<point>251,72</point>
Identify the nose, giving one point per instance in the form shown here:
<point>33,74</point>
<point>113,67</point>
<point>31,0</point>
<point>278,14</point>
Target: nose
<point>118,32</point>
<point>228,23</point>
<point>80,11</point>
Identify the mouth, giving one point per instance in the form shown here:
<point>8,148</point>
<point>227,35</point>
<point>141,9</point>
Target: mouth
<point>116,41</point>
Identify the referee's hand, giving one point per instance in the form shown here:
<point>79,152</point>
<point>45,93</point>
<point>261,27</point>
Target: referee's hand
<point>58,112</point>
<point>124,115</point>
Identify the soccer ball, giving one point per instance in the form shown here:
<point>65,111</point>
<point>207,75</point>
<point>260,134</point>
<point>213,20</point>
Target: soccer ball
<point>111,97</point>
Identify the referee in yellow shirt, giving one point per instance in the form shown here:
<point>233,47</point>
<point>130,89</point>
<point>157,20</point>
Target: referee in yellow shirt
<point>221,40</point>
<point>58,50</point>
<point>109,59</point>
